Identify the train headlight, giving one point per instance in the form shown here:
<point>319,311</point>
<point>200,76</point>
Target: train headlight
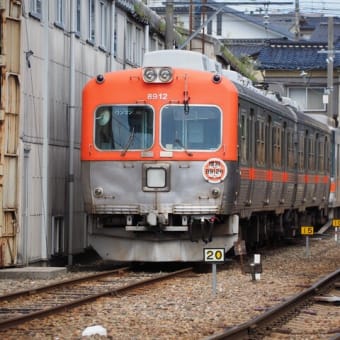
<point>149,75</point>
<point>98,192</point>
<point>157,74</point>
<point>165,74</point>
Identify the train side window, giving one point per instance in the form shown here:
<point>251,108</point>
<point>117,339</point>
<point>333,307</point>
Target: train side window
<point>311,153</point>
<point>290,150</point>
<point>327,153</point>
<point>277,146</point>
<point>243,138</point>
<point>301,152</point>
<point>320,154</point>
<point>260,155</point>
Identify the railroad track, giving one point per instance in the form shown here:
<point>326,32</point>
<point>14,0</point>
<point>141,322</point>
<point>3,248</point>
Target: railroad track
<point>19,307</point>
<point>292,318</point>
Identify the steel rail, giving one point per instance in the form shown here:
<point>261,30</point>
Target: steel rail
<point>31,291</point>
<point>78,302</point>
<point>245,330</point>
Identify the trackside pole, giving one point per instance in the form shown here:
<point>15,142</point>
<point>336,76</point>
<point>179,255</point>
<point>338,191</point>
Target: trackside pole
<point>307,231</point>
<point>214,278</point>
<point>336,225</point>
<point>214,255</point>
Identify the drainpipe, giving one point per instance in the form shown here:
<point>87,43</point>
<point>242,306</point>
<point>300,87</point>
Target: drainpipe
<point>112,35</point>
<point>45,123</point>
<point>25,205</point>
<point>71,133</point>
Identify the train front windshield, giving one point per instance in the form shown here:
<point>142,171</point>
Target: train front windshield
<point>190,127</point>
<point>131,127</point>
<point>124,127</point>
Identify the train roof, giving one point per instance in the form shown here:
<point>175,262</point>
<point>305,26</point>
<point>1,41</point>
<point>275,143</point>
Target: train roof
<point>182,59</point>
<point>197,61</point>
<point>283,106</point>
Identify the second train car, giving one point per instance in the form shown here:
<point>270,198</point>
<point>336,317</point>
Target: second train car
<point>179,155</point>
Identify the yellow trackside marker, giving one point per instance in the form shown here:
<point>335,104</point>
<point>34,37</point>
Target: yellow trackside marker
<point>214,254</point>
<point>307,230</point>
<point>336,223</point>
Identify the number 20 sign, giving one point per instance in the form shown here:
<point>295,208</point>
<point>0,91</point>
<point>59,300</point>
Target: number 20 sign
<point>213,254</point>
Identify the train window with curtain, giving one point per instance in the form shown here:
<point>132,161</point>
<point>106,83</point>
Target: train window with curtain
<point>320,154</point>
<point>277,146</point>
<point>191,127</point>
<point>290,149</point>
<point>301,152</point>
<point>327,155</point>
<point>260,135</point>
<point>124,127</point>
<point>243,151</point>
<point>311,153</point>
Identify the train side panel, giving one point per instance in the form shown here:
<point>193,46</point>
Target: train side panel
<point>177,159</point>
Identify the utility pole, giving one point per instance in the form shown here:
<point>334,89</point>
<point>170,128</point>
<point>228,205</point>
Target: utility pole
<point>329,91</point>
<point>330,65</point>
<point>169,30</point>
<point>297,20</point>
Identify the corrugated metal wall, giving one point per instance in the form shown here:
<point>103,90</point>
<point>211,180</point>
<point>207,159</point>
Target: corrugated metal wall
<point>46,134</point>
<point>34,125</point>
<point>10,12</point>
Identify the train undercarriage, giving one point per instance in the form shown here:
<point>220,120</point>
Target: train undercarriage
<point>183,240</point>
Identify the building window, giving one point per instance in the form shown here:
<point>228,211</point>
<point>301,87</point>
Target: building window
<point>129,42</point>
<point>210,23</point>
<point>78,16</point>
<point>153,44</point>
<point>197,17</point>
<point>92,21</point>
<point>309,99</point>
<point>219,24</point>
<point>103,24</point>
<point>139,52</point>
<point>35,9</point>
<point>60,13</point>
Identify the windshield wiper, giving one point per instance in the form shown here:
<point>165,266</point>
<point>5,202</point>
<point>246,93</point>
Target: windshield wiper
<point>178,141</point>
<point>129,142</point>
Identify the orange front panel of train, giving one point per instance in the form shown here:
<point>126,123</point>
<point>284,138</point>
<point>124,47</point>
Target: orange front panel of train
<point>191,94</point>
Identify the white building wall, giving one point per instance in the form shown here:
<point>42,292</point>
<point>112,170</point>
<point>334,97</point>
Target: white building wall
<point>45,91</point>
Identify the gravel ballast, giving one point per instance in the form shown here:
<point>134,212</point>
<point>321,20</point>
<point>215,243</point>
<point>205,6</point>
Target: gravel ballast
<point>186,307</point>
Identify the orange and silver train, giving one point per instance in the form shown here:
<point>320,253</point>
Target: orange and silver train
<point>180,155</point>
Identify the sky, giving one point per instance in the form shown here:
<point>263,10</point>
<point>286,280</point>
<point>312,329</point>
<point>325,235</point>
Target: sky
<point>326,7</point>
